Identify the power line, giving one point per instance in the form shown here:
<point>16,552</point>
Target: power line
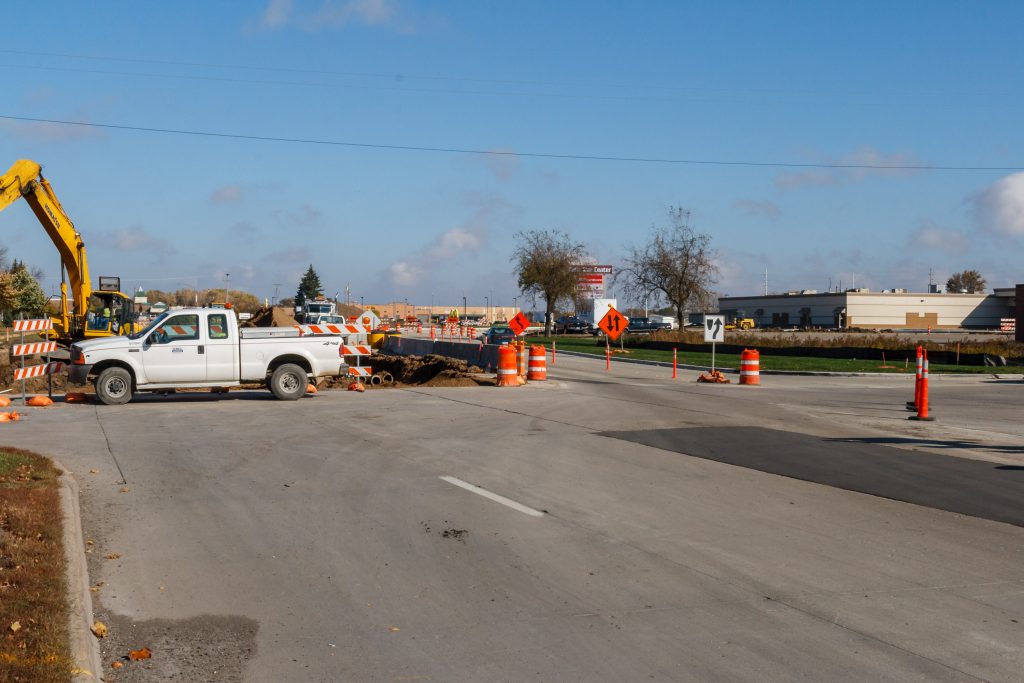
<point>533,155</point>
<point>401,76</point>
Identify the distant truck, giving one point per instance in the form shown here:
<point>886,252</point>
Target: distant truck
<point>315,308</point>
<point>204,347</point>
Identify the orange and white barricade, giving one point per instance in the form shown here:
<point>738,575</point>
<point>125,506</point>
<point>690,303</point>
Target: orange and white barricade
<point>507,373</point>
<point>537,370</point>
<point>50,368</point>
<point>750,367</point>
<point>34,348</point>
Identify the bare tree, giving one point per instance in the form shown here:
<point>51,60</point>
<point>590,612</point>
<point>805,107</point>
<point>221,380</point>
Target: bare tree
<point>676,265</point>
<point>547,261</point>
<point>968,281</point>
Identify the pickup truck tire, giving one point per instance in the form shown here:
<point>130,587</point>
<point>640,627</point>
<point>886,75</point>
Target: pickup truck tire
<point>288,383</point>
<point>114,386</point>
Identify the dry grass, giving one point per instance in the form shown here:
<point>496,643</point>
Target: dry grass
<point>33,606</point>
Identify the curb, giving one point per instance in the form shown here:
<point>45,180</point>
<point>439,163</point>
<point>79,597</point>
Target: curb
<point>86,665</point>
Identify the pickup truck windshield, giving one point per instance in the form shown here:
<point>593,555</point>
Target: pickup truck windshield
<point>156,321</point>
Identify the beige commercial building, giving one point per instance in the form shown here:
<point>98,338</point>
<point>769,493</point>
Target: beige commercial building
<point>893,309</point>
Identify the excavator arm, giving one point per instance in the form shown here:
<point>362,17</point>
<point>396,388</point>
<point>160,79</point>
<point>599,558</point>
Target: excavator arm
<point>25,179</point>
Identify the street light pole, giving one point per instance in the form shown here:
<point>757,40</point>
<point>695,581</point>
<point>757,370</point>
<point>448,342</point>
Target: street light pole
<point>487,306</point>
<point>227,283</point>
<point>463,306</point>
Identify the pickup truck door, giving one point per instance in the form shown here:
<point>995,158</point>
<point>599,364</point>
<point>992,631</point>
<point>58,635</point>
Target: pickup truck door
<point>174,353</point>
<point>221,350</point>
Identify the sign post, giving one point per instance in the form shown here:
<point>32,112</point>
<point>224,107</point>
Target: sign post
<point>714,332</point>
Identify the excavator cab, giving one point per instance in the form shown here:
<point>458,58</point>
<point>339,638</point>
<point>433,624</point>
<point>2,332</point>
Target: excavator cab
<point>111,311</point>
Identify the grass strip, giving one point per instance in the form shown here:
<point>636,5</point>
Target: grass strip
<point>33,605</point>
<point>768,362</point>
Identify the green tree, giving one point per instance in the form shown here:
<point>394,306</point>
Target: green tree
<point>966,281</point>
<point>310,287</point>
<point>677,265</point>
<point>547,262</point>
<point>30,299</point>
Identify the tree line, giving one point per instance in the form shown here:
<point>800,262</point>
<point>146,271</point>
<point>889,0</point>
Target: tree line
<point>676,266</point>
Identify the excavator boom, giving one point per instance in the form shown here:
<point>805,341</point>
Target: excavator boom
<point>25,180</point>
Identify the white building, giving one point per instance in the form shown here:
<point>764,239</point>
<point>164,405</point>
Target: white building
<point>860,308</point>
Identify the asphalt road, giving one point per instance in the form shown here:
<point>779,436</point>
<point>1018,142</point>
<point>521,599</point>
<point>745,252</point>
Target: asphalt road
<point>473,534</point>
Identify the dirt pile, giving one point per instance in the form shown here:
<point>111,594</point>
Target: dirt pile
<point>348,310</point>
<point>274,316</point>
<point>429,371</point>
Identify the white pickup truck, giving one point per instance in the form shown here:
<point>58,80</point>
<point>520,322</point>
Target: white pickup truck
<point>204,347</point>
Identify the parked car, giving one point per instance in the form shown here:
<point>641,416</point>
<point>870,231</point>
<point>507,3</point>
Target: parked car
<point>646,326</point>
<point>498,334</point>
<point>571,324</point>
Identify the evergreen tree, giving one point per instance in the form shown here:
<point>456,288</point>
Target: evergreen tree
<point>310,287</point>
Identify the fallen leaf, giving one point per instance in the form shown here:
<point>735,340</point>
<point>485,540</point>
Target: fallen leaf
<point>94,471</point>
<point>116,665</point>
<point>99,629</point>
<point>114,556</point>
<point>161,588</point>
<point>124,490</point>
<point>136,655</point>
<point>395,628</point>
<point>16,626</point>
<point>89,541</point>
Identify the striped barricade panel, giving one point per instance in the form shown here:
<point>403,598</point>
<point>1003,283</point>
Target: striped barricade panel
<point>38,370</point>
<point>333,329</point>
<point>356,371</point>
<point>354,350</point>
<point>33,348</point>
<point>32,325</point>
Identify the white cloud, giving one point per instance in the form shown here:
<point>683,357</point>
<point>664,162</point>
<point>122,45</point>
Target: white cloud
<point>276,14</point>
<point>41,131</point>
<point>135,238</point>
<point>502,163</point>
<point>228,194</point>
<point>753,207</point>
<point>405,273</point>
<point>449,243</point>
<point>279,14</point>
<point>862,162</point>
<point>999,208</point>
<point>940,239</point>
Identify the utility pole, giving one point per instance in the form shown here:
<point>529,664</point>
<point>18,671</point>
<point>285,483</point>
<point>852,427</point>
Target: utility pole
<point>766,282</point>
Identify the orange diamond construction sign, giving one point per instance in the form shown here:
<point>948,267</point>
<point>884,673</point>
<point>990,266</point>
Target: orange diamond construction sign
<point>519,323</point>
<point>613,323</point>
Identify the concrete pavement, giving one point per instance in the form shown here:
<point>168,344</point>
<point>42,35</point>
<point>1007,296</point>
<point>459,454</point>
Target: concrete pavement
<point>317,540</point>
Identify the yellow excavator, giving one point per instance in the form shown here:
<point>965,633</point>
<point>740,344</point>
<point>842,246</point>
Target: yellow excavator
<point>114,311</point>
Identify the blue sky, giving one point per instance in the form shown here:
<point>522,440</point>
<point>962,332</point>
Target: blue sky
<point>869,84</point>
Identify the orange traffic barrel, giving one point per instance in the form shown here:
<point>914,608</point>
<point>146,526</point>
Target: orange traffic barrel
<point>521,358</point>
<point>507,375</point>
<point>750,367</point>
<point>538,364</point>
